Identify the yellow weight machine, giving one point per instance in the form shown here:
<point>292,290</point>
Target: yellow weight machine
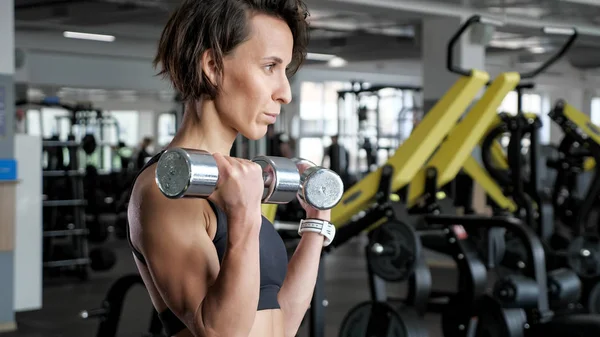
<point>580,135</point>
<point>457,148</point>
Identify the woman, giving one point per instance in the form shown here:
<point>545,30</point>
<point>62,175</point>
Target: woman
<point>216,266</point>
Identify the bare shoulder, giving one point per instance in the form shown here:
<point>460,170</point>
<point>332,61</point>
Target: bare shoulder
<point>149,211</point>
<point>172,236</point>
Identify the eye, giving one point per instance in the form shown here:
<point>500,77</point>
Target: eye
<point>270,67</point>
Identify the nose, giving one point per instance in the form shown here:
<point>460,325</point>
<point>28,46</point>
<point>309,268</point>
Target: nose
<point>283,94</point>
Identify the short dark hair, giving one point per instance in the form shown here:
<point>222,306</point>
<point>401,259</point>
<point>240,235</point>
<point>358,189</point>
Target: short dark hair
<point>219,25</point>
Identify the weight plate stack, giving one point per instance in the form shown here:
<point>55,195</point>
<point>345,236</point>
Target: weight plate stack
<point>393,251</point>
<point>594,300</point>
<point>583,256</point>
<point>456,318</point>
<point>495,321</point>
<point>380,319</point>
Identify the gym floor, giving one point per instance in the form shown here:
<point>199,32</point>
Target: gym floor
<point>64,298</point>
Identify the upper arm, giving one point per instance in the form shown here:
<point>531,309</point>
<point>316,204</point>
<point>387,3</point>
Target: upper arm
<point>178,250</point>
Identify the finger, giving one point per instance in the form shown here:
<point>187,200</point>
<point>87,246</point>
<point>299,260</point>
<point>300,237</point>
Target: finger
<point>224,166</point>
<point>248,165</point>
<point>303,164</point>
<point>221,160</point>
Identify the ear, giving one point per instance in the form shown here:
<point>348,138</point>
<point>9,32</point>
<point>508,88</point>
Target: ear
<point>209,67</point>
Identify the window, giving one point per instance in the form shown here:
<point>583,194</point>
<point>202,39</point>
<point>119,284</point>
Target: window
<point>311,99</point>
<point>509,103</point>
<point>128,123</point>
<point>531,103</point>
<point>166,128</point>
<point>319,103</point>
<point>49,122</point>
<point>33,122</point>
<point>408,115</point>
<point>118,126</point>
<point>318,117</point>
<point>311,149</point>
<point>595,110</point>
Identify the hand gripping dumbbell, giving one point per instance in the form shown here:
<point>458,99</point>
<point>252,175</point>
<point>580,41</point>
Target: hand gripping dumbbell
<point>194,173</point>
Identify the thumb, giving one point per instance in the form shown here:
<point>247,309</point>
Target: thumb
<point>223,165</point>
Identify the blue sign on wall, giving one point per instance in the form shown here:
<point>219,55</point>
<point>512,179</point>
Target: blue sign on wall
<point>2,111</point>
<point>8,170</point>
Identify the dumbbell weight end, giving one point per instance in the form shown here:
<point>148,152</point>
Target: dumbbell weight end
<point>186,173</point>
<point>321,188</point>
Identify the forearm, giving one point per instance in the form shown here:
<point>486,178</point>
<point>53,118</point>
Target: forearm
<point>229,307</point>
<point>297,290</point>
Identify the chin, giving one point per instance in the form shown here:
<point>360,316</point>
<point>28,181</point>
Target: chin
<point>255,133</point>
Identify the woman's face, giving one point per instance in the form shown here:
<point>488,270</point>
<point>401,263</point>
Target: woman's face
<point>254,83</point>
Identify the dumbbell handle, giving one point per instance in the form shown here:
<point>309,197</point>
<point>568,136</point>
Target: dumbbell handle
<point>281,179</point>
<point>194,173</point>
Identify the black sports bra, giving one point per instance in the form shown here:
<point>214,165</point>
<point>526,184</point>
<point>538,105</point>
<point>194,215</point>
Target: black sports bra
<point>273,261</point>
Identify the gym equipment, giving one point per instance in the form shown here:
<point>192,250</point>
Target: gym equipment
<point>522,192</point>
<point>65,228</point>
<point>583,256</point>
<point>501,202</point>
<point>393,251</point>
<point>496,321</point>
<point>564,288</point>
<point>439,171</point>
<point>563,291</point>
<point>88,143</point>
<point>580,135</point>
<point>415,151</point>
<point>109,312</point>
<point>450,157</point>
<point>507,170</point>
<point>102,259</point>
<point>593,299</point>
<point>88,126</point>
<point>194,173</point>
<point>367,203</point>
<point>577,258</point>
<point>472,280</point>
<point>361,121</point>
<point>494,318</point>
<point>381,319</point>
<point>516,291</point>
<point>521,184</point>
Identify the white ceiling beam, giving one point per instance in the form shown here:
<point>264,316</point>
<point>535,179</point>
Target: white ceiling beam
<point>584,2</point>
<point>438,8</point>
<point>363,7</point>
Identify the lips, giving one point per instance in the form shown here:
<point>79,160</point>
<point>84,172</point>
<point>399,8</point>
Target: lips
<point>272,118</point>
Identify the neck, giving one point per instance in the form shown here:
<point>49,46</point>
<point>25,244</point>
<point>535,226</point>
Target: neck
<point>202,129</point>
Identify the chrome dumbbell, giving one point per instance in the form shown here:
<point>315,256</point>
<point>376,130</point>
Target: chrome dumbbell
<point>194,173</point>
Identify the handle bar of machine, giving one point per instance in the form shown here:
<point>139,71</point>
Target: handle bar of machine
<point>571,32</point>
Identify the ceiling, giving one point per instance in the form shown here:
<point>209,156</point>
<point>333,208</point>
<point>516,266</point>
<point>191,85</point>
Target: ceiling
<point>357,30</point>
